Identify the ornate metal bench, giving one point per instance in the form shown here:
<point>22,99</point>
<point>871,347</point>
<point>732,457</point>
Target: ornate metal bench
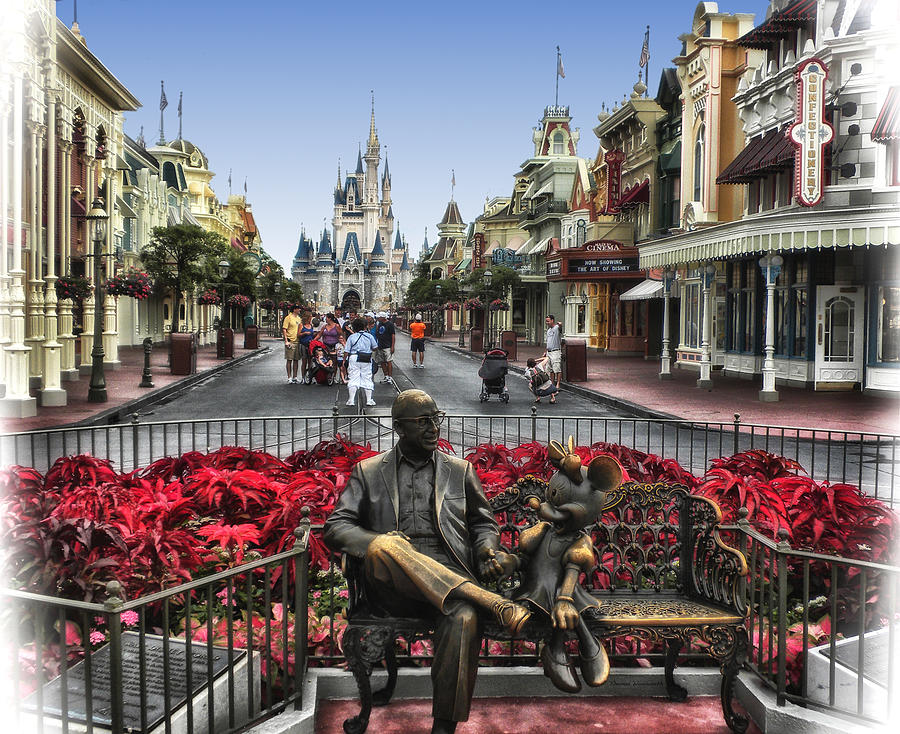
<point>663,575</point>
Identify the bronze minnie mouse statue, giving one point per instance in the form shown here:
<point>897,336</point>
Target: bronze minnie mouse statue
<point>553,554</point>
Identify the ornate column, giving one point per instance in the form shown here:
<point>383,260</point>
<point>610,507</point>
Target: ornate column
<point>35,311</point>
<point>51,392</point>
<point>87,307</point>
<point>770,265</point>
<point>17,403</point>
<point>707,275</point>
<point>110,333</point>
<point>665,358</point>
<point>5,206</point>
<point>68,370</point>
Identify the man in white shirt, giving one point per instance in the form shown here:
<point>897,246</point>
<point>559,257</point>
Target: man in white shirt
<point>553,340</point>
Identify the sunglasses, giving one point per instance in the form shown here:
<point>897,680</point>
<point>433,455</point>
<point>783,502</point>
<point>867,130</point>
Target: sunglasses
<point>422,421</point>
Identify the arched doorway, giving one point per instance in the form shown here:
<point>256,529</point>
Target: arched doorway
<point>351,301</point>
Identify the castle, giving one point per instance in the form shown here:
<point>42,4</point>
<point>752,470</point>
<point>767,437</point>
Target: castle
<point>357,268</point>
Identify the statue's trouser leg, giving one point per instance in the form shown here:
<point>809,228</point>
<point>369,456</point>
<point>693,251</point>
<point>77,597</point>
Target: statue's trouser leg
<point>400,574</point>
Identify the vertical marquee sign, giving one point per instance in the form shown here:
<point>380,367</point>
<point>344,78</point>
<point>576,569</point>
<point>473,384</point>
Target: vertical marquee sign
<point>478,251</point>
<point>614,160</point>
<point>811,132</point>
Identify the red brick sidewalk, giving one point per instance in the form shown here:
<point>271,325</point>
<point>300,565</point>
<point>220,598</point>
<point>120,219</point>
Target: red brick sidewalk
<point>635,380</point>
<point>121,385</point>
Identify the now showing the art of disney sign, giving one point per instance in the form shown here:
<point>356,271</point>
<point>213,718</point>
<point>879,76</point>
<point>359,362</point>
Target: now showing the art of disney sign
<point>811,132</point>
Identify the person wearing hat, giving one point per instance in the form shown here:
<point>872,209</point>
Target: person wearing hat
<point>385,335</point>
<point>417,341</point>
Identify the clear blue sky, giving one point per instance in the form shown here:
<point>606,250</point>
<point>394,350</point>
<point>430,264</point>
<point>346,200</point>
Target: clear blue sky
<point>278,90</point>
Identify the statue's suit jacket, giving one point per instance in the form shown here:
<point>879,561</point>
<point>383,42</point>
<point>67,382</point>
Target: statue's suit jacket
<point>369,506</point>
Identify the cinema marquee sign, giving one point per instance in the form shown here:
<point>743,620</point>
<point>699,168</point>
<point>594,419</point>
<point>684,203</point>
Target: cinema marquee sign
<point>811,132</point>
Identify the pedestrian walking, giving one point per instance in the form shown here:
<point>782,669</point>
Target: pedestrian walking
<point>417,341</point>
<point>385,335</point>
<point>290,330</point>
<point>539,380</point>
<point>553,342</point>
<point>359,349</point>
<point>306,334</point>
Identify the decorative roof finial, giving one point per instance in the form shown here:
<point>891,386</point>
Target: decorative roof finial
<point>373,137</point>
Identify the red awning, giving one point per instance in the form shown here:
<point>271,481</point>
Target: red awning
<point>780,25</point>
<point>887,125</point>
<point>761,155</point>
<point>639,194</point>
<point>237,244</point>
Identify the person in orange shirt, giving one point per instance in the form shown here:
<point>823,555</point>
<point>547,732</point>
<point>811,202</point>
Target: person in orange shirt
<point>417,341</point>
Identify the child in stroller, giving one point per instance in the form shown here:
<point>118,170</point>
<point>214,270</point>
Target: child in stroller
<point>493,371</point>
<point>322,364</point>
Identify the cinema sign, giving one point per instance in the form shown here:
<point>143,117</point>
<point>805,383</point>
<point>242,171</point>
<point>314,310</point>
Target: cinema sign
<point>810,133</point>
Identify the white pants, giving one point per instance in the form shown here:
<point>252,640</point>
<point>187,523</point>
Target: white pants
<point>359,375</point>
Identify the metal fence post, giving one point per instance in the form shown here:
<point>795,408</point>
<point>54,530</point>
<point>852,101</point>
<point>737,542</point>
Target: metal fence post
<point>301,602</point>
<point>334,418</point>
<point>782,548</point>
<point>737,433</point>
<point>113,607</point>
<point>135,421</point>
<point>533,423</point>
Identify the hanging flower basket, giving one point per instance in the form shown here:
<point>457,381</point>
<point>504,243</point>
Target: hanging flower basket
<point>239,301</point>
<point>209,298</point>
<point>284,305</point>
<point>267,303</point>
<point>498,304</point>
<point>451,306</point>
<point>73,287</point>
<point>134,283</point>
<point>473,304</point>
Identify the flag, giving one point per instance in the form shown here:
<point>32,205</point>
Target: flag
<point>180,94</point>
<point>645,49</point>
<point>245,184</point>
<point>559,66</point>
<point>229,179</point>
<point>163,102</point>
<point>452,177</point>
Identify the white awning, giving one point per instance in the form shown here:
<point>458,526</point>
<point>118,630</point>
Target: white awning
<point>126,211</point>
<point>545,189</point>
<point>529,192</point>
<point>643,290</point>
<point>189,217</point>
<point>533,247</point>
<point>174,216</point>
<point>521,248</point>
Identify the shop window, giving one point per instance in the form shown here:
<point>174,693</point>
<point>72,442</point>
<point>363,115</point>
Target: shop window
<point>581,319</point>
<point>691,313</point>
<point>748,306</point>
<point>889,324</point>
<point>733,309</point>
<point>800,298</point>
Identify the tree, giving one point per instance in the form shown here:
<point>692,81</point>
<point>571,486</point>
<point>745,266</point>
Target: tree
<point>424,290</point>
<point>175,258</point>
<point>503,281</point>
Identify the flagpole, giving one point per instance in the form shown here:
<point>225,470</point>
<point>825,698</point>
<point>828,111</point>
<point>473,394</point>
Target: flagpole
<point>556,99</point>
<point>647,75</point>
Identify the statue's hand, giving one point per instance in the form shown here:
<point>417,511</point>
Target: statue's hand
<point>397,534</point>
<point>497,564</point>
<point>564,614</point>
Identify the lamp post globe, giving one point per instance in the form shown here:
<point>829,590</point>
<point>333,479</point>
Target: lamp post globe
<point>97,221</point>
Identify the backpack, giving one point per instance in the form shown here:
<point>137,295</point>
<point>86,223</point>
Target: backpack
<point>539,378</point>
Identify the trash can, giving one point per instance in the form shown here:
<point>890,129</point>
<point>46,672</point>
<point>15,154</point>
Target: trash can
<point>429,328</point>
<point>183,353</point>
<point>251,337</point>
<point>476,340</point>
<point>225,343</point>
<point>575,360</point>
<point>508,343</point>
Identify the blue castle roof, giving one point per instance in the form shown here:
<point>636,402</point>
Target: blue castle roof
<point>405,264</point>
<point>351,246</point>
<point>325,244</point>
<point>398,243</point>
<point>377,250</point>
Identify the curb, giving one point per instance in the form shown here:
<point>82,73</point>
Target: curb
<point>117,414</point>
<point>594,395</point>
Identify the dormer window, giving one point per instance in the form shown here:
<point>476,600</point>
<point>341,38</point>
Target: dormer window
<point>559,141</point>
<point>698,162</point>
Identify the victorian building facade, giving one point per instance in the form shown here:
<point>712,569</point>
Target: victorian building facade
<point>362,263</point>
<point>802,286</point>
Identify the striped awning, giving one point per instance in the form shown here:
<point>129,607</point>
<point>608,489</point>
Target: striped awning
<point>534,247</point>
<point>643,290</point>
<point>639,194</point>
<point>760,156</point>
<point>887,125</point>
<point>545,189</point>
<point>522,249</point>
<point>780,25</point>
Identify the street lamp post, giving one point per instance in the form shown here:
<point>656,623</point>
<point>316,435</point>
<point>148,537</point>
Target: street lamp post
<point>707,276</point>
<point>771,268</point>
<point>97,217</point>
<point>487,278</point>
<point>462,315</point>
<point>665,359</point>
<point>438,319</point>
<point>225,331</point>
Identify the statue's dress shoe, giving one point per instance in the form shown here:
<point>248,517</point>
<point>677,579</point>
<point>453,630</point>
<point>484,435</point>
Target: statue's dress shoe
<point>595,670</point>
<point>560,670</point>
<point>510,615</point>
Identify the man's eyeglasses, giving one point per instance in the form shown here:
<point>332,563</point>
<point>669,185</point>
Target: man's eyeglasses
<point>422,421</point>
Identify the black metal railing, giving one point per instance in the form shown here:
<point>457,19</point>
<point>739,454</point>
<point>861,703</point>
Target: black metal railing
<point>824,630</point>
<point>867,460</point>
<point>122,664</point>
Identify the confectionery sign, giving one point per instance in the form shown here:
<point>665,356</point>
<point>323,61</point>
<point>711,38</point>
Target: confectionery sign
<point>811,132</point>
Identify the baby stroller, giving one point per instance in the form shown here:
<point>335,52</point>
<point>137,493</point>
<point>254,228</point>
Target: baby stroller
<point>321,364</point>
<point>493,375</point>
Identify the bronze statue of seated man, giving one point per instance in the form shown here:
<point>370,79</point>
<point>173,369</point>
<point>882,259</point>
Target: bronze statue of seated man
<point>421,524</point>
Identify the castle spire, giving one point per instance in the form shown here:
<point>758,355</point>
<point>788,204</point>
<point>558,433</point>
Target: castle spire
<point>339,185</point>
<point>373,136</point>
